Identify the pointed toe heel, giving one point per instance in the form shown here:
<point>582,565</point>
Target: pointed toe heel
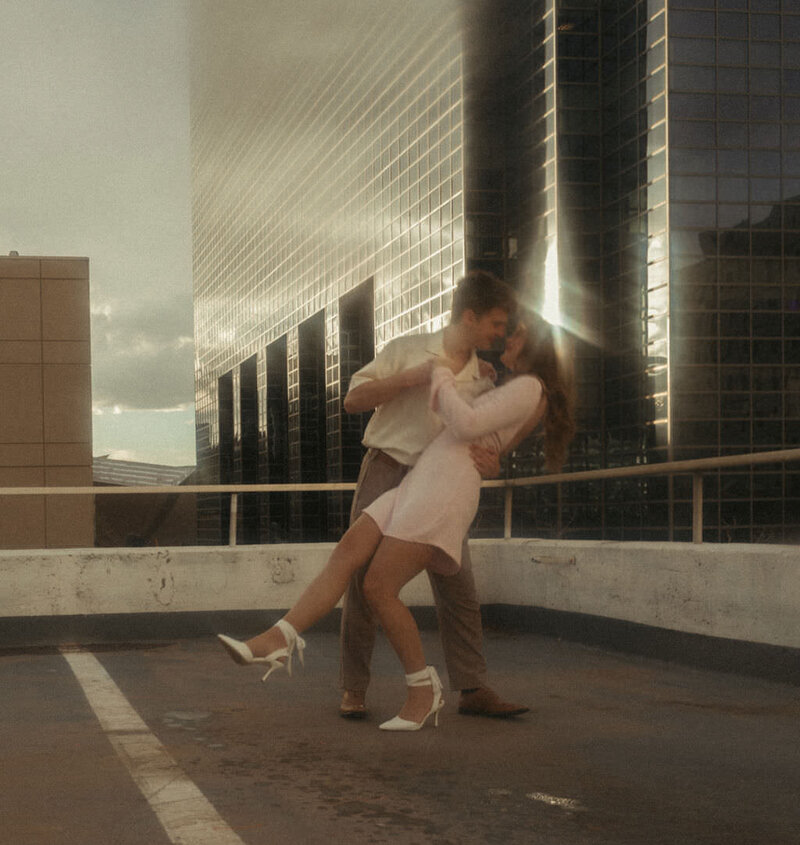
<point>280,658</point>
<point>424,678</point>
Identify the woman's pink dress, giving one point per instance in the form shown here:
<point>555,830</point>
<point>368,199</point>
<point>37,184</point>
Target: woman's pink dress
<point>436,501</point>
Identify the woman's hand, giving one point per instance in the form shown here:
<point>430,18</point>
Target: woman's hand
<point>486,370</point>
<point>451,364</point>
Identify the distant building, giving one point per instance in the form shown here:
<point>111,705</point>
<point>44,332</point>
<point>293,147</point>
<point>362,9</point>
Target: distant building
<point>631,166</point>
<point>157,519</point>
<point>45,401</point>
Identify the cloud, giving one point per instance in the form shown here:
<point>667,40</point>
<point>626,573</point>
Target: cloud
<point>142,354</point>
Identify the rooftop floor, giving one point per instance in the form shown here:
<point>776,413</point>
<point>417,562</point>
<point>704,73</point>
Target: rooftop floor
<point>616,750</point>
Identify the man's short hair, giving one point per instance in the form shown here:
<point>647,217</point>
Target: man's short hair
<point>480,291</point>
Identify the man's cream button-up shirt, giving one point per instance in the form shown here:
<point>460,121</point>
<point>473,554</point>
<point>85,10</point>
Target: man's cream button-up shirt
<point>405,425</point>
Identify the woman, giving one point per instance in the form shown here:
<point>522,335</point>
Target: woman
<point>422,522</point>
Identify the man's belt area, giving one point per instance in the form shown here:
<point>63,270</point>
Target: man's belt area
<point>384,458</point>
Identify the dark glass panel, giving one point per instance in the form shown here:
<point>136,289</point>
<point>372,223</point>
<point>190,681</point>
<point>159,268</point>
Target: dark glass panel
<point>767,351</point>
<point>733,190</point>
<point>766,298</point>
<point>691,23</point>
<point>766,434</point>
<point>694,188</point>
<point>765,54</point>
<point>734,297</point>
<point>732,161</point>
<point>732,106</point>
<point>732,52</point>
<point>733,135</point>
<point>730,216</point>
<point>734,378</point>
<point>768,405</point>
<point>765,162</point>
<point>699,378</point>
<point>791,137</point>
<point>734,242</point>
<point>765,135</point>
<point>765,216</point>
<point>765,108</point>
<point>693,161</point>
<point>735,405</point>
<point>791,323</point>
<point>766,243</point>
<point>765,271</point>
<point>693,133</point>
<point>791,82</point>
<point>732,25</point>
<point>700,106</point>
<point>765,27</point>
<point>732,79</point>
<point>791,55</point>
<point>693,215</point>
<point>791,164</point>
<point>686,78</point>
<point>734,325</point>
<point>734,351</point>
<point>696,51</point>
<point>696,433</point>
<point>734,432</point>
<point>765,81</point>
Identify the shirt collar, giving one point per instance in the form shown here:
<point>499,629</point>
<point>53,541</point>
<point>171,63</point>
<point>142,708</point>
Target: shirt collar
<point>470,372</point>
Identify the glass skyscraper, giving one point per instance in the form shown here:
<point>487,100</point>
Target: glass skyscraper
<point>630,167</point>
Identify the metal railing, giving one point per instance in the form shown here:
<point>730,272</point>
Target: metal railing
<point>697,468</point>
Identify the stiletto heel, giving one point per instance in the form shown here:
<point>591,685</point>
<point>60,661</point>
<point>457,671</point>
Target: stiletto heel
<point>427,677</point>
<point>241,653</point>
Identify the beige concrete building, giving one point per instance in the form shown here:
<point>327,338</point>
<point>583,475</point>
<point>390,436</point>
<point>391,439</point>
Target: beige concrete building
<point>45,400</point>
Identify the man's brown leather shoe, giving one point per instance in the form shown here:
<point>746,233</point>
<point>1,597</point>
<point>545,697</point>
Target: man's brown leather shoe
<point>486,702</point>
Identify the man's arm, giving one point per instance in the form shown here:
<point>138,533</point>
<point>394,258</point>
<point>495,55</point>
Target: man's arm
<point>369,394</point>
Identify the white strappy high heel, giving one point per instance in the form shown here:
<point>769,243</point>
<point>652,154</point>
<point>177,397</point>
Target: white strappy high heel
<point>424,678</point>
<point>242,654</point>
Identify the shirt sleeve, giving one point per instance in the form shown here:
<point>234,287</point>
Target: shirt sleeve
<point>386,363</point>
<point>506,406</point>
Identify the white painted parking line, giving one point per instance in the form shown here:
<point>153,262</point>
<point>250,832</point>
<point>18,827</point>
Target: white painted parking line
<point>184,812</point>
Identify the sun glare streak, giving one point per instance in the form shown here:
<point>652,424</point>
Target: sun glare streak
<point>551,307</point>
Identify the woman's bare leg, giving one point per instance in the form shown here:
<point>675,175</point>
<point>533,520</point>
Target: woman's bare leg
<point>353,551</point>
<point>393,565</point>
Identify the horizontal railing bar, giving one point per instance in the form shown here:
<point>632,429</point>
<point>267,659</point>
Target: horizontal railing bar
<point>323,487</point>
<point>669,468</point>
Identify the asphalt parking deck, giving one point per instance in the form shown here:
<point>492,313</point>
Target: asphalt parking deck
<point>616,750</point>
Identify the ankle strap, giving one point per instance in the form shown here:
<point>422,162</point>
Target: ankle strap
<point>288,630</point>
<point>420,679</point>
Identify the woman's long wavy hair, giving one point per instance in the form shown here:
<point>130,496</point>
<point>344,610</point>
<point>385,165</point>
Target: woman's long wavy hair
<point>544,354</point>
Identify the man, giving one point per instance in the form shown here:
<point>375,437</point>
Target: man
<point>402,426</point>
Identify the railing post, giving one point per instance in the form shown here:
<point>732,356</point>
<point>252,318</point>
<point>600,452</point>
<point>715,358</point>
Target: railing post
<point>234,519</point>
<point>509,500</point>
<point>697,507</point>
<point>559,525</point>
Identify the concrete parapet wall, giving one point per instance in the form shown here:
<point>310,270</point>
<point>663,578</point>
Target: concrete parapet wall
<point>734,591</point>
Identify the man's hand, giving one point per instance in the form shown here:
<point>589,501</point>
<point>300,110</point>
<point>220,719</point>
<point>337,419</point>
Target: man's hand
<point>368,395</point>
<point>486,461</point>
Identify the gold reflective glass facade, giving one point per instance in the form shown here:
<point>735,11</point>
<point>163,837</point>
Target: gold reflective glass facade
<point>630,166</point>
<point>328,154</point>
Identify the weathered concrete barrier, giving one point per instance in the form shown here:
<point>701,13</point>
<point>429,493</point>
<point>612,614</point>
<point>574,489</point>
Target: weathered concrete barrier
<point>740,592</point>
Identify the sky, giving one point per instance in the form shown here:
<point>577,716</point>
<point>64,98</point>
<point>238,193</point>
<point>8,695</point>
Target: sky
<point>94,161</point>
